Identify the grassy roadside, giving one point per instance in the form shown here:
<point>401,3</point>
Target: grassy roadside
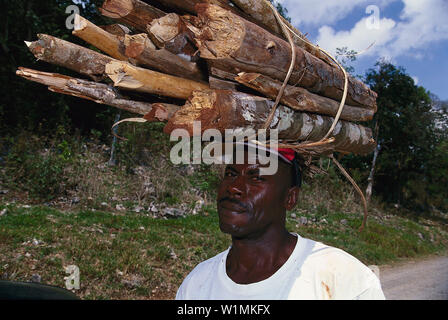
<point>129,255</point>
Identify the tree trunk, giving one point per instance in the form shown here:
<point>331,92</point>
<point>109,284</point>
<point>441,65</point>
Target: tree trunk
<point>103,40</point>
<point>233,44</point>
<point>369,189</point>
<point>140,48</point>
<point>222,109</point>
<point>301,99</point>
<point>133,13</point>
<point>134,78</point>
<point>98,92</point>
<point>371,175</point>
<point>70,56</point>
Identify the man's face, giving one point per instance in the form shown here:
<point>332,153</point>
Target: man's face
<point>249,203</point>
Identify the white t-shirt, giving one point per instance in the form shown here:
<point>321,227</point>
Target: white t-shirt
<point>313,271</point>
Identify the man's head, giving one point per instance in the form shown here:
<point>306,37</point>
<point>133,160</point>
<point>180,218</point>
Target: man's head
<point>250,203</point>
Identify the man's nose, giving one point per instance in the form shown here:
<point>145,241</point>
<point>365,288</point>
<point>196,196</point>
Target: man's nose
<point>236,188</point>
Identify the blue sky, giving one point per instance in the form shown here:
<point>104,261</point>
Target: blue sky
<point>409,33</point>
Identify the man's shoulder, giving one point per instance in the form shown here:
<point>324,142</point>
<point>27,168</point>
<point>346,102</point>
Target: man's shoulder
<point>338,271</point>
<point>200,278</point>
<point>207,266</point>
<point>325,256</point>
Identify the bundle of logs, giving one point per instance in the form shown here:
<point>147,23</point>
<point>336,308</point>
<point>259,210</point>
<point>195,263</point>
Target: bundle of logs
<point>225,61</point>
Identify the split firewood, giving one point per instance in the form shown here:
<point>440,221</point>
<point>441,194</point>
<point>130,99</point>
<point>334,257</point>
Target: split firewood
<point>127,76</point>
<point>301,99</point>
<point>262,12</point>
<point>144,52</point>
<point>170,32</point>
<point>233,44</point>
<point>71,56</point>
<point>223,109</point>
<point>94,35</point>
<point>134,13</point>
<point>98,92</point>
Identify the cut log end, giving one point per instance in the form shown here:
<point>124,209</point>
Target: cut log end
<point>116,9</point>
<point>79,24</point>
<point>221,34</point>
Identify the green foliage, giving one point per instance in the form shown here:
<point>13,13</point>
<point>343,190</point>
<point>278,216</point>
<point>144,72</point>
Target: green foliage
<point>412,153</point>
<point>40,173</point>
<point>30,106</point>
<point>281,9</point>
<point>344,57</point>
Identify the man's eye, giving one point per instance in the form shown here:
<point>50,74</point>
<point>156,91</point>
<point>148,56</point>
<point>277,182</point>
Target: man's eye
<point>229,174</point>
<point>257,178</point>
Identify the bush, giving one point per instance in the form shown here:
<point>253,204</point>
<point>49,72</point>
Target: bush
<point>38,166</point>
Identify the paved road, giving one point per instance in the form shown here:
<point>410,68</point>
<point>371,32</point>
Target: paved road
<point>417,280</point>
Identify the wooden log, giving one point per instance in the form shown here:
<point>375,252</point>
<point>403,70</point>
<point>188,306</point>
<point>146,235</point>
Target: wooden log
<point>223,109</point>
<point>233,44</point>
<point>170,32</point>
<point>216,83</point>
<point>301,99</point>
<point>94,35</point>
<point>141,49</point>
<point>134,13</point>
<point>189,6</point>
<point>261,12</point>
<point>127,76</point>
<point>118,30</point>
<point>71,56</point>
<point>98,92</point>
<point>161,112</point>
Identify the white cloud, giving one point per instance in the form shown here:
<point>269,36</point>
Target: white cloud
<point>319,12</point>
<point>420,24</point>
<point>359,38</point>
<point>415,78</point>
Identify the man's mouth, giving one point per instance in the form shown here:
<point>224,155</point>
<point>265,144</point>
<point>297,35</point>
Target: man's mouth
<point>231,206</point>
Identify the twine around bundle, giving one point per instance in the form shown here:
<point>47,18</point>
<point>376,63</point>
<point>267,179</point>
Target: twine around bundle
<point>300,147</point>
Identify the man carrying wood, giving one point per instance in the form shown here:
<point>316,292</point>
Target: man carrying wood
<point>265,261</point>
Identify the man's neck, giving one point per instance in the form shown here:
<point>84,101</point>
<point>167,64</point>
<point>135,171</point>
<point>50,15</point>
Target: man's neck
<point>257,258</point>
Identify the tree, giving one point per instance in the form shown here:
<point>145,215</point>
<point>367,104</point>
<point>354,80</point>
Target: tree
<point>29,106</point>
<point>281,9</point>
<point>344,57</point>
<point>407,136</point>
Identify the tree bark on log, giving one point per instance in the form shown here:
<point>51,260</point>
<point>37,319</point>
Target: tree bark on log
<point>189,6</point>
<point>223,109</point>
<point>233,44</point>
<point>103,40</point>
<point>261,12</point>
<point>301,99</point>
<point>140,48</point>
<point>171,33</point>
<point>127,76</point>
<point>71,56</point>
<point>134,13</point>
<point>118,30</point>
<point>98,92</point>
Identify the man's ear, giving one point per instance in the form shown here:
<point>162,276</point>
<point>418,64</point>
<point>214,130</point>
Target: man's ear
<point>292,197</point>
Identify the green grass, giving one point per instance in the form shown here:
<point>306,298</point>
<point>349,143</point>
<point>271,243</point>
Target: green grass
<point>111,248</point>
<point>107,248</point>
